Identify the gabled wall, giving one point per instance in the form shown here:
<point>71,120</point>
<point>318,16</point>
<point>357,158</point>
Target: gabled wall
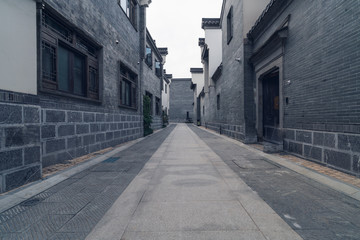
<point>18,46</point>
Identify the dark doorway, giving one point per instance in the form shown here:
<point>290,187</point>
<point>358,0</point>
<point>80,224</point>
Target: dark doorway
<point>271,106</point>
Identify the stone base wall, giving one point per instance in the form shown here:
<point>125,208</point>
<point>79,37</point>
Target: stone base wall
<point>20,145</point>
<point>233,131</point>
<point>32,137</point>
<point>337,150</point>
<point>156,123</point>
<point>70,134</point>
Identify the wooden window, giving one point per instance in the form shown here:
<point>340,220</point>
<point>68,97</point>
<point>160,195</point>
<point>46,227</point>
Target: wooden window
<point>229,24</point>
<point>148,56</point>
<point>128,88</point>
<point>157,68</point>
<point>129,8</point>
<point>69,61</point>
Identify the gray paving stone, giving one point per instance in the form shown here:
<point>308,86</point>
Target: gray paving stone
<point>322,213</point>
<point>70,209</point>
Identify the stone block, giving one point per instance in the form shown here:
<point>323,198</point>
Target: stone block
<point>338,159</point>
<point>81,151</point>
<point>21,177</point>
<point>100,137</point>
<point>75,117</point>
<point>109,136</point>
<point>82,128</point>
<point>113,126</point>
<point>117,134</point>
<point>89,117</point>
<point>11,159</point>
<point>94,127</point>
<point>95,147</point>
<point>100,117</point>
<point>10,114</point>
<point>313,152</point>
<point>123,118</point>
<point>31,115</point>
<point>120,126</point>
<point>356,164</point>
<point>324,139</point>
<point>32,155</point>
<point>48,131</point>
<point>295,148</point>
<point>302,136</point>
<point>66,130</point>
<point>290,134</point>
<point>55,116</point>
<point>88,139</point>
<point>55,145</point>
<point>49,160</point>
<point>109,117</point>
<point>19,136</point>
<point>65,156</point>
<point>105,127</point>
<point>128,118</point>
<point>74,142</point>
<point>117,118</point>
<point>349,142</point>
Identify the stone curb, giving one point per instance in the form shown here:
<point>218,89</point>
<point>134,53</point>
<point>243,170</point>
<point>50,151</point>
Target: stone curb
<point>15,197</point>
<point>334,184</point>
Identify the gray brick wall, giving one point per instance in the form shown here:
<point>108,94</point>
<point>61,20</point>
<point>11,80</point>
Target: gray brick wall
<point>321,72</point>
<point>181,100</point>
<point>43,130</point>
<point>152,84</point>
<point>236,115</point>
<point>20,145</point>
<point>322,64</point>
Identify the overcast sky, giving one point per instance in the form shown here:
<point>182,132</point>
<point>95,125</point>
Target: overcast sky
<point>177,25</point>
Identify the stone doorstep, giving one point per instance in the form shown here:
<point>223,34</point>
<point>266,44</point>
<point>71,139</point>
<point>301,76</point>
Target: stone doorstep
<point>344,178</point>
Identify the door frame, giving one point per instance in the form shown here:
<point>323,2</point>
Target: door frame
<point>260,74</point>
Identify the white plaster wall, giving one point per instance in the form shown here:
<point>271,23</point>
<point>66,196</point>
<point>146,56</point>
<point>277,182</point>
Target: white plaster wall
<point>165,103</point>
<point>198,79</point>
<point>252,11</point>
<point>213,38</point>
<point>18,46</point>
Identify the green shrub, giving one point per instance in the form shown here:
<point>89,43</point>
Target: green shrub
<point>147,115</point>
<point>165,119</point>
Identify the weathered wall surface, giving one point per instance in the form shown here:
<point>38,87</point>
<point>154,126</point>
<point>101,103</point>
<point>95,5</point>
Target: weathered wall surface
<point>44,129</point>
<point>321,81</point>
<point>181,100</point>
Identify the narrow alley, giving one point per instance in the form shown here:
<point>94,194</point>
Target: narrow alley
<point>184,182</point>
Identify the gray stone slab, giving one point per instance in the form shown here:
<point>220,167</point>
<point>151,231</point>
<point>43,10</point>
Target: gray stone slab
<point>194,235</point>
<point>309,207</point>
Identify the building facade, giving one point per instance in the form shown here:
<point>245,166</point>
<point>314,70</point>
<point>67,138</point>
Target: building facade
<point>306,77</point>
<point>181,100</point>
<point>289,78</point>
<point>197,80</point>
<point>165,100</point>
<point>72,86</point>
<point>153,79</point>
<point>228,100</point>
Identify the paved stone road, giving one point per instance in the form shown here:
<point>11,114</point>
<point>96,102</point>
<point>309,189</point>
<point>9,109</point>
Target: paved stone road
<point>313,210</point>
<point>185,184</point>
<point>186,191</point>
<point>71,209</point>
